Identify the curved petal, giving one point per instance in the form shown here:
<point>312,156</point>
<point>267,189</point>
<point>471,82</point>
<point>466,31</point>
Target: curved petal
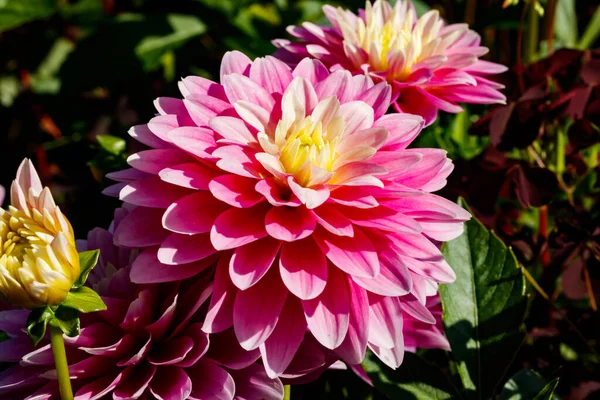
<point>303,268</point>
<point>328,314</point>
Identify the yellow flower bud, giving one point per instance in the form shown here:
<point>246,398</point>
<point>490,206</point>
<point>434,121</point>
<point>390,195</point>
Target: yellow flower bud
<point>38,258</point>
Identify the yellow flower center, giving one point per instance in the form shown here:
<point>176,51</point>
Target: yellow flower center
<point>393,31</point>
<point>306,147</point>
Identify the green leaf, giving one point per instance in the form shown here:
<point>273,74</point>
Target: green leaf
<point>37,321</point>
<point>45,79</point>
<point>112,144</point>
<point>484,308</point>
<point>416,378</point>
<point>84,300</point>
<point>467,146</point>
<point>14,13</point>
<point>151,49</point>
<point>565,23</point>
<point>67,320</point>
<point>547,392</point>
<point>87,261</point>
<point>591,33</point>
<point>524,385</point>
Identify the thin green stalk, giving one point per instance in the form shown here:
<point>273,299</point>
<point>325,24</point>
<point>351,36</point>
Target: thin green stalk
<point>561,143</point>
<point>591,32</point>
<point>287,392</point>
<point>60,360</point>
<point>533,29</point>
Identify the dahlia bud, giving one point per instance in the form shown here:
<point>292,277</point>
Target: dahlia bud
<point>38,258</point>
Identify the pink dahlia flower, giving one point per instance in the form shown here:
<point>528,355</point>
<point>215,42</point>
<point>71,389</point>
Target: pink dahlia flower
<point>321,218</point>
<point>430,66</point>
<point>148,344</point>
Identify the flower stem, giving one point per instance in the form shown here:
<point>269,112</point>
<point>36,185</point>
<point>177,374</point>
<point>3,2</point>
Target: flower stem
<point>60,360</point>
<point>287,392</point>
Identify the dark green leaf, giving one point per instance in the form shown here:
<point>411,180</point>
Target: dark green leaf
<point>152,48</point>
<point>87,261</point>
<point>415,379</point>
<point>547,393</point>
<point>524,385</point>
<point>37,321</point>
<point>112,144</point>
<point>67,320</point>
<point>84,300</point>
<point>484,309</point>
<point>565,23</point>
<point>14,13</point>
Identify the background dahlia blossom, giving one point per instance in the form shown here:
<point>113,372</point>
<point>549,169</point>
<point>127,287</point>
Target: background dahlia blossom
<point>429,65</point>
<point>148,344</point>
<point>321,218</point>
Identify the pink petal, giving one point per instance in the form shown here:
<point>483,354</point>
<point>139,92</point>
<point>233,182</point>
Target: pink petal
<point>303,268</point>
<point>238,160</point>
<point>257,309</point>
<point>135,382</point>
<point>328,314</point>
<point>172,351</point>
<point>210,381</point>
<point>235,190</point>
<point>171,106</point>
<point>338,84</point>
<point>271,73</point>
<point>357,115</point>
<point>220,311</point>
<point>98,388</point>
<point>355,256</point>
<point>174,384</point>
<point>385,321</point>
<point>290,223</point>
<point>281,346</point>
<point>253,383</point>
<point>202,108</point>
<point>142,227</point>
<point>147,269</point>
<point>151,192</point>
<point>225,349</point>
<point>183,249</point>
<point>233,130</point>
<point>333,220</point>
<point>353,348</point>
<point>239,87</point>
<point>191,85</point>
<point>154,161</point>
<point>199,142</point>
<point>191,176</point>
<point>311,197</point>
<point>235,62</point>
<point>378,97</point>
<point>144,135</point>
<point>415,309</point>
<point>353,197</point>
<point>311,69</point>
<point>237,227</point>
<point>195,213</point>
<point>276,193</point>
<point>200,347</point>
<point>251,262</point>
<point>382,218</point>
<point>402,129</point>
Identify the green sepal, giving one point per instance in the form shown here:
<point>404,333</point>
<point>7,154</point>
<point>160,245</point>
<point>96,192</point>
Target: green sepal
<point>87,261</point>
<point>67,320</point>
<point>84,300</point>
<point>64,318</point>
<point>37,321</point>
